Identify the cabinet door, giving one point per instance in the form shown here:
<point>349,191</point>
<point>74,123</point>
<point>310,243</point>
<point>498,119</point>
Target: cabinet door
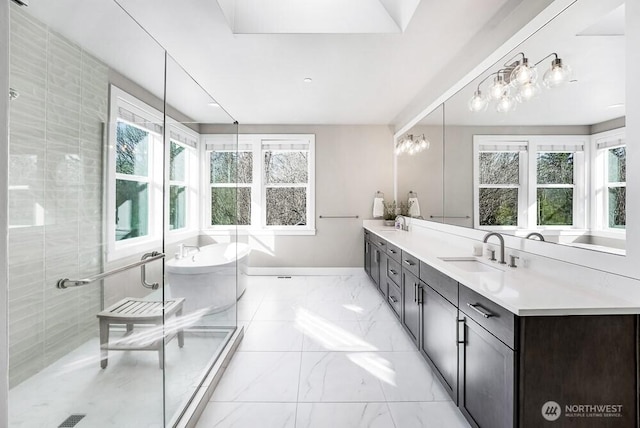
<point>487,377</point>
<point>367,257</point>
<point>375,264</point>
<point>439,338</point>
<point>411,291</point>
<point>382,274</point>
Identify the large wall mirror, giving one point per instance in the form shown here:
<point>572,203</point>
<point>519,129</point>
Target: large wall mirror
<point>540,152</point>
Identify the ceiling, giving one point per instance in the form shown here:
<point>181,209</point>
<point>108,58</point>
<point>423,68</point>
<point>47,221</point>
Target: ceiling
<point>259,78</point>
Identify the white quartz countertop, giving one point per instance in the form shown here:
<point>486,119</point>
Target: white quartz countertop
<point>519,290</point>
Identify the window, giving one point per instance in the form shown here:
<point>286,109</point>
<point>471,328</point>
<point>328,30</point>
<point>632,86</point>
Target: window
<point>533,183</point>
<point>264,182</point>
<point>554,188</point>
<point>135,176</point>
<point>610,164</point>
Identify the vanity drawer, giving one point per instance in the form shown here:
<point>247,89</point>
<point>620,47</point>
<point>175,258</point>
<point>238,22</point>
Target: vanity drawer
<point>445,286</point>
<point>394,271</point>
<point>394,252</point>
<point>395,297</point>
<point>378,242</point>
<point>493,317</point>
<point>411,263</point>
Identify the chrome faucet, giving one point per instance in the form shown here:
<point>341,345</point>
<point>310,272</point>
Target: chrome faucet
<point>184,251</point>
<point>532,234</point>
<point>404,222</point>
<point>489,235</point>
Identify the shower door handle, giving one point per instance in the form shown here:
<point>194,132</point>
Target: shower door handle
<point>143,272</point>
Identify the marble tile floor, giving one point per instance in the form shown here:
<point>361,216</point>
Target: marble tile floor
<point>127,394</point>
<point>325,351</point>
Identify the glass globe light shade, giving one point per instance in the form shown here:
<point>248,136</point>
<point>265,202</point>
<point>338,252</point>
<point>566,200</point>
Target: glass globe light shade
<point>527,92</point>
<point>498,88</point>
<point>398,148</point>
<point>523,74</point>
<point>557,75</point>
<point>506,104</point>
<point>424,143</point>
<point>478,102</point>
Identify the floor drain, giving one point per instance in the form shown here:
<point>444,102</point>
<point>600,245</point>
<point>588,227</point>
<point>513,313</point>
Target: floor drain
<point>71,421</point>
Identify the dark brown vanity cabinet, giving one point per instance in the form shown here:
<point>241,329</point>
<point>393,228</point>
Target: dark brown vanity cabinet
<point>439,338</point>
<point>411,303</point>
<point>367,254</point>
<point>382,274</point>
<point>486,361</point>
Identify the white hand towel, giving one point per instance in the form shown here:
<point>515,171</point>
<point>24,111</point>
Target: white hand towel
<point>414,207</point>
<point>378,207</point>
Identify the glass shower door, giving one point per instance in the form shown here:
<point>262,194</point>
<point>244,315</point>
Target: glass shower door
<point>88,343</point>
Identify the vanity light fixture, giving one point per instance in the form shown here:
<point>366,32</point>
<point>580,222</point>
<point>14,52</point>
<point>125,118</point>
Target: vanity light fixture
<point>518,75</point>
<point>410,145</point>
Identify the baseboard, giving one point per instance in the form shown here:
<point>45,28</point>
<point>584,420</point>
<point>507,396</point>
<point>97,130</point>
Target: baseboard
<point>298,271</point>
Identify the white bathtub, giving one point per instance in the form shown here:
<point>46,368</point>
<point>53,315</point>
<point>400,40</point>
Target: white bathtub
<point>207,279</point>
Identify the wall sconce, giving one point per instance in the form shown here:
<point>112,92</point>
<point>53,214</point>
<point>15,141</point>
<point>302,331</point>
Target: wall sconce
<point>409,144</point>
<point>522,78</point>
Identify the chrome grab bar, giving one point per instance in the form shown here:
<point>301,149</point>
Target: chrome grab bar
<point>147,258</point>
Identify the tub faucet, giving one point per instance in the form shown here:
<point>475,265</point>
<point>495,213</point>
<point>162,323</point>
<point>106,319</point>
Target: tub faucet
<point>489,235</point>
<point>184,252</point>
<point>532,234</point>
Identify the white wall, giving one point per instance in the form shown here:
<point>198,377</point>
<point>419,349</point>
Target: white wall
<point>352,163</point>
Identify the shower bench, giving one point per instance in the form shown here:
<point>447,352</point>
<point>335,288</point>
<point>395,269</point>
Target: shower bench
<point>130,311</point>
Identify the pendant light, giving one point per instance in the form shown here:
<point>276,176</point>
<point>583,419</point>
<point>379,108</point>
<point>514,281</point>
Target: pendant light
<point>499,87</point>
<point>523,73</point>
<point>506,104</point>
<point>478,102</point>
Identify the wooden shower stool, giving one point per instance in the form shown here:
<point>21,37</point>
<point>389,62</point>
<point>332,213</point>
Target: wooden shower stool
<point>130,311</point>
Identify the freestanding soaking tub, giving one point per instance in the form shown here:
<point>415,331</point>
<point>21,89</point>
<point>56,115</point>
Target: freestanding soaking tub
<point>207,278</point>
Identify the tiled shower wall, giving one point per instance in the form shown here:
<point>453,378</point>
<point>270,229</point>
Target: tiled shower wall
<point>55,193</point>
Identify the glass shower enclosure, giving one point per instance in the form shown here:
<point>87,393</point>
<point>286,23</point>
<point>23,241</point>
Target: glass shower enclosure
<point>117,309</point>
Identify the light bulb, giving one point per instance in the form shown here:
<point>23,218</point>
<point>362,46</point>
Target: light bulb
<point>506,104</point>
<point>557,75</point>
<point>499,88</point>
<point>523,74</point>
<point>527,92</point>
<point>478,102</point>
<point>424,144</point>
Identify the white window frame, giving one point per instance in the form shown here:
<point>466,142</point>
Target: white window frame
<point>528,147</point>
<point>132,246</point>
<point>190,139</point>
<point>158,153</point>
<point>600,144</point>
<point>256,143</point>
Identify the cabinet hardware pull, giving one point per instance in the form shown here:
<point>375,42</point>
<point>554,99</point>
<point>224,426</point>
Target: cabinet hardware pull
<point>392,251</point>
<point>380,243</point>
<point>415,292</point>
<point>419,299</point>
<point>377,256</point>
<point>393,272</point>
<point>393,299</point>
<point>478,309</point>
<point>409,262</point>
<point>461,338</point>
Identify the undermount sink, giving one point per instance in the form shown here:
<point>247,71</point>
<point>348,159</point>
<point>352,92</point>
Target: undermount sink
<point>469,264</point>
